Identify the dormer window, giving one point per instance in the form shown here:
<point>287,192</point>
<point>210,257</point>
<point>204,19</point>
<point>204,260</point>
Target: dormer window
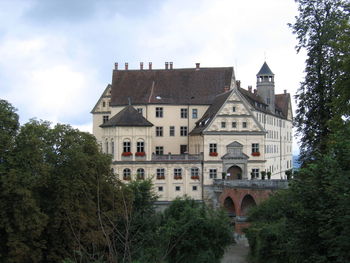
<point>233,109</point>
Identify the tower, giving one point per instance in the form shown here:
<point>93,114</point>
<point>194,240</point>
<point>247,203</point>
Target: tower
<point>265,85</point>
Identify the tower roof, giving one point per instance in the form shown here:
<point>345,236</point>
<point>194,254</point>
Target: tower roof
<point>128,116</point>
<point>265,70</point>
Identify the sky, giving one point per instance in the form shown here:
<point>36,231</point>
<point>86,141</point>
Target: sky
<point>57,56</point>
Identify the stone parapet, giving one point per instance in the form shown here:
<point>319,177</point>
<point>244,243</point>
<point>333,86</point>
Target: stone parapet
<point>251,184</point>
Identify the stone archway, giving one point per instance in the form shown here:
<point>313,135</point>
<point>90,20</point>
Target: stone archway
<point>247,203</point>
<point>230,207</point>
<point>235,173</point>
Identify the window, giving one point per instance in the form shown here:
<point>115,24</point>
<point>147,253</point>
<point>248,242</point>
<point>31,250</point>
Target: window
<point>183,148</point>
<point>223,124</point>
<point>183,131</point>
<point>112,148</point>
<point>159,131</point>
<point>105,118</point>
<point>233,109</point>
<point>140,146</point>
<point>255,173</point>
<point>160,173</point>
<point>194,113</point>
<point>106,146</point>
<point>160,188</point>
<point>159,150</point>
<point>172,131</point>
<point>159,112</point>
<point>139,110</point>
<point>244,124</point>
<point>140,173</point>
<point>183,113</point>
<point>194,188</point>
<point>267,100</point>
<point>177,173</point>
<point>194,173</point>
<point>234,124</point>
<point>212,148</point>
<point>212,173</point>
<point>126,174</point>
<point>255,147</point>
<point>177,188</point>
<point>104,104</point>
<point>126,146</point>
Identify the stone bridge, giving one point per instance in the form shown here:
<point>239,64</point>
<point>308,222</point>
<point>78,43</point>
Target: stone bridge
<point>238,196</point>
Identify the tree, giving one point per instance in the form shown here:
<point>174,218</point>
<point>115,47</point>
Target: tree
<point>322,29</point>
<point>191,232</point>
<point>309,222</point>
<point>8,129</point>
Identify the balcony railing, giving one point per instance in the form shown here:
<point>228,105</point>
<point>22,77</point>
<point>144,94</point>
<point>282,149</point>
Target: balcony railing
<point>255,184</point>
<point>176,157</point>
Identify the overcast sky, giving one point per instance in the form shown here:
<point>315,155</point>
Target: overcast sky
<point>57,56</point>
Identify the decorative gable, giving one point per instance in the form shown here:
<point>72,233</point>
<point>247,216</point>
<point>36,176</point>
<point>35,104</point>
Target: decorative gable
<point>102,104</point>
<point>234,116</point>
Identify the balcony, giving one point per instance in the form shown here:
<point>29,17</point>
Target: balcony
<point>177,157</point>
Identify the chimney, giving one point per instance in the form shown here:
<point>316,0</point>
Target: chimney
<point>238,83</point>
<point>250,89</point>
<point>141,65</point>
<point>166,65</point>
<point>255,91</point>
<point>197,66</point>
<point>285,91</point>
<point>171,65</point>
<point>116,65</point>
<point>150,65</point>
<point>126,65</point>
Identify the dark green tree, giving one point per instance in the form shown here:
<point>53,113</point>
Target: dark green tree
<point>322,29</point>
<point>309,222</point>
<point>192,232</point>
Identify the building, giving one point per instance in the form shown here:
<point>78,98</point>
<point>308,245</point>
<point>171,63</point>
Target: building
<point>186,127</point>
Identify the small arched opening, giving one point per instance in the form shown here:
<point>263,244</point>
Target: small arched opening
<point>230,207</point>
<point>247,203</point>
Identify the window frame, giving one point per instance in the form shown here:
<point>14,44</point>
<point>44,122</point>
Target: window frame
<point>183,131</point>
<point>213,173</point>
<point>183,113</point>
<point>172,131</point>
<point>159,131</point>
<point>126,146</point>
<point>159,112</point>
<point>159,150</point>
<point>194,113</point>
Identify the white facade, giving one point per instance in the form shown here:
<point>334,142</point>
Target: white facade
<point>184,150</point>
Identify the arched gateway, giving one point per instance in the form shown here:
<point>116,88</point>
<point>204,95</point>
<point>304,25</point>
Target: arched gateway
<point>234,173</point>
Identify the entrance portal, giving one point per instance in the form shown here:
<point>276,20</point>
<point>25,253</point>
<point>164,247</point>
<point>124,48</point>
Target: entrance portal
<point>235,173</point>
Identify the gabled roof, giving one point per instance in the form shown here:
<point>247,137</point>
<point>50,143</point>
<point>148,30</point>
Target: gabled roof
<point>210,113</point>
<point>128,116</point>
<point>104,95</point>
<point>265,70</point>
<point>282,102</point>
<point>172,86</point>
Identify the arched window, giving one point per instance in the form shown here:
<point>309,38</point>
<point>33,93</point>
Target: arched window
<point>126,174</point>
<point>140,148</point>
<point>177,173</point>
<point>194,173</point>
<point>106,146</point>
<point>112,148</point>
<point>140,173</point>
<point>126,146</point>
<point>160,173</point>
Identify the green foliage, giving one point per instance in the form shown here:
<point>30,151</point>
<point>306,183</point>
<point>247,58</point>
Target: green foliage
<point>322,29</point>
<point>309,222</point>
<point>191,232</point>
